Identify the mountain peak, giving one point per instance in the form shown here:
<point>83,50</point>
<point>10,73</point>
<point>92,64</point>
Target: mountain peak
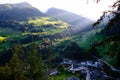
<point>18,11</point>
<point>23,4</point>
<point>16,5</point>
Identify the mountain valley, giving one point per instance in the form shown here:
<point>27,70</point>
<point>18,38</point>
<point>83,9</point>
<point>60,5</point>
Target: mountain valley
<point>35,43</point>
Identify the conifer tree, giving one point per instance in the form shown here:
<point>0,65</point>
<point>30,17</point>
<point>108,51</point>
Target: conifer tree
<point>16,67</point>
<point>37,69</point>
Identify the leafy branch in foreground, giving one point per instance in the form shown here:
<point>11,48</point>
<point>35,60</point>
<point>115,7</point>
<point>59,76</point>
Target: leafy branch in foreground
<point>114,11</point>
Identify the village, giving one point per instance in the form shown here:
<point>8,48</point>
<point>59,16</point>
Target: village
<point>87,70</point>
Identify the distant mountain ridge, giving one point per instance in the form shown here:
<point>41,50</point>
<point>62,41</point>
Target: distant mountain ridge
<point>19,11</point>
<point>69,17</point>
<point>17,5</point>
<point>24,11</point>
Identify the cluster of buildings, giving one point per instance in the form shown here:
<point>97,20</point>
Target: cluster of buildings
<point>88,70</point>
<point>74,66</point>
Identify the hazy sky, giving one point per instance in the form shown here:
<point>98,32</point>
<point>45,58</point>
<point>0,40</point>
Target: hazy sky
<point>90,10</point>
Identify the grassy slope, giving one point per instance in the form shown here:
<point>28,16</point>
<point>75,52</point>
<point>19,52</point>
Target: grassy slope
<point>85,39</point>
<point>63,75</point>
<point>8,34</point>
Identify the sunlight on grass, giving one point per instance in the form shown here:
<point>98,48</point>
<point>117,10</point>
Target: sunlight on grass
<point>48,21</point>
<point>2,38</point>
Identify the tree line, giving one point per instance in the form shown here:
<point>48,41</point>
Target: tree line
<point>22,67</point>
